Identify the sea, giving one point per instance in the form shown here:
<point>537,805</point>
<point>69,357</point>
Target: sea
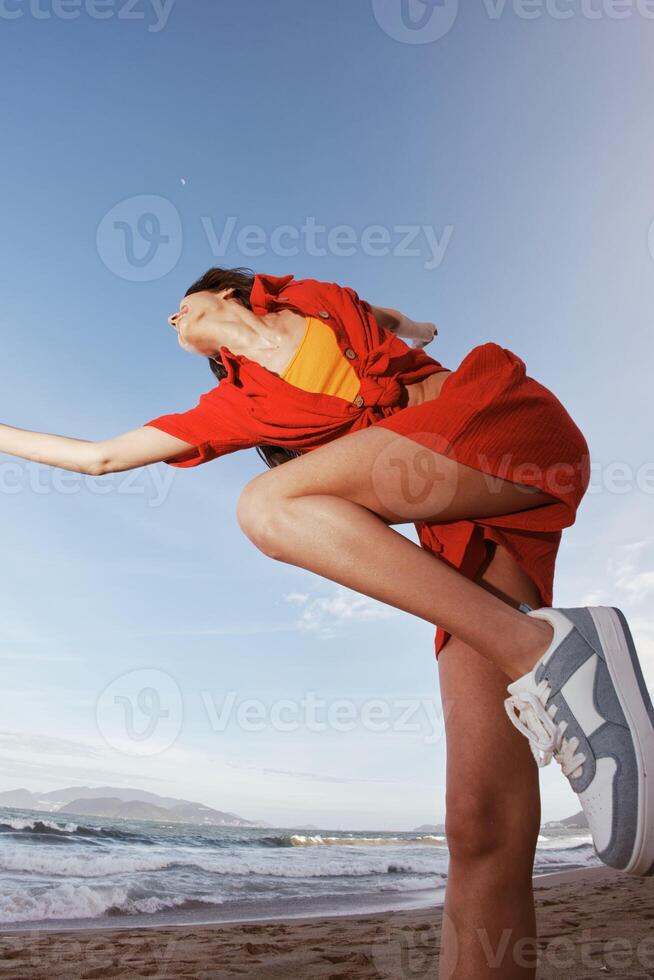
<point>58,871</point>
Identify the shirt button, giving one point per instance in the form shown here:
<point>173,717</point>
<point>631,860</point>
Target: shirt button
<point>350,353</point>
<point>324,314</point>
<point>358,401</point>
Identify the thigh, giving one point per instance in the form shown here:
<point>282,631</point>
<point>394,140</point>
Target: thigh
<point>398,479</point>
<point>492,779</point>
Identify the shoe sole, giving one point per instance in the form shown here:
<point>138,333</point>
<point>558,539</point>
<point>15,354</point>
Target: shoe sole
<point>627,676</point>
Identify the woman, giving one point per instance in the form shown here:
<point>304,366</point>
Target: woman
<point>490,468</point>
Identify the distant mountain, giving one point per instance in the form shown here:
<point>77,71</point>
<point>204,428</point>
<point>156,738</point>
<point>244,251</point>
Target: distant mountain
<point>576,820</point>
<point>63,796</point>
<point>111,806</point>
<point>429,828</point>
<point>123,804</point>
<point>22,799</point>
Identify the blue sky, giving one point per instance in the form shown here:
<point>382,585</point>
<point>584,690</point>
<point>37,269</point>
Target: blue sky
<point>514,150</point>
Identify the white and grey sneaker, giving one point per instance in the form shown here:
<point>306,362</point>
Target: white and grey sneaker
<point>585,703</point>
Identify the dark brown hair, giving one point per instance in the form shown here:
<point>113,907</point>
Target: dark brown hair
<point>241,281</point>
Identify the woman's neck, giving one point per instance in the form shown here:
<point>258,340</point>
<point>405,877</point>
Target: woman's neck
<point>270,341</point>
<point>252,334</point>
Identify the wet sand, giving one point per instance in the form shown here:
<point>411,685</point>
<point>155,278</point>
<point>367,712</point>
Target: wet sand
<point>591,923</point>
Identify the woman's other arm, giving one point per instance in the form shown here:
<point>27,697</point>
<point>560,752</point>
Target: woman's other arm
<point>133,449</point>
<point>403,326</point>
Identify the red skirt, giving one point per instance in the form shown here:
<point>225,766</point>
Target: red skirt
<point>492,416</point>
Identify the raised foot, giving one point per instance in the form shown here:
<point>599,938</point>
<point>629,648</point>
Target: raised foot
<point>585,703</point>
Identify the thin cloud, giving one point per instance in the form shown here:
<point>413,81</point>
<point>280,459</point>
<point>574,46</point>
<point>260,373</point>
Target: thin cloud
<point>20,742</point>
<point>316,777</point>
<point>47,658</point>
<point>631,570</point>
<point>240,629</point>
<point>320,614</point>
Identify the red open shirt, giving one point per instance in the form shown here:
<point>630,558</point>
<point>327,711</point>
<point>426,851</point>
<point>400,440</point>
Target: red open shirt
<point>490,415</point>
<point>254,406</point>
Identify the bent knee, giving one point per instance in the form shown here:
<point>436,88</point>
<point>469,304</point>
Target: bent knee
<point>478,825</point>
<point>259,513</point>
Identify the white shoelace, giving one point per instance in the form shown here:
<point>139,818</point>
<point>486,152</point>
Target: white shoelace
<point>529,714</point>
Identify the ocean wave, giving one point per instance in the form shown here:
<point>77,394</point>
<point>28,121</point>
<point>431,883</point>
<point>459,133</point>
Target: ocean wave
<point>73,832</point>
<point>38,829</point>
<point>38,826</point>
<point>78,864</point>
<point>565,844</point>
<point>336,855</point>
<point>154,904</point>
<point>81,833</point>
<point>581,855</point>
<point>55,864</point>
<point>106,870</point>
<point>74,901</point>
<point>318,840</point>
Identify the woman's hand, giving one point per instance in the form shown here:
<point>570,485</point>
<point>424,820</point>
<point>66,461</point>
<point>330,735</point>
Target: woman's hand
<point>128,451</point>
<point>425,334</point>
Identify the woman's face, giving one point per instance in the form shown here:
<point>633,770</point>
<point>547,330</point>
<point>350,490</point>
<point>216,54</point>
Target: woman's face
<point>201,321</point>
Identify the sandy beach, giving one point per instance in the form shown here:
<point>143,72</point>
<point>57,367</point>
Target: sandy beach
<point>592,923</point>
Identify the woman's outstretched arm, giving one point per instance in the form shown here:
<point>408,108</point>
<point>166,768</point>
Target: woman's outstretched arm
<point>124,452</point>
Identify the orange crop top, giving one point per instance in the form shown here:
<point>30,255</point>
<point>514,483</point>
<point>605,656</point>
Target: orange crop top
<point>319,364</point>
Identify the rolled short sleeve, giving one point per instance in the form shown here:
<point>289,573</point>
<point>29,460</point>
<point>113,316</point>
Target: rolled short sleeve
<point>212,428</point>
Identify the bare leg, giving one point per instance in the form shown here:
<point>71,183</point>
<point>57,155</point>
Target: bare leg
<point>330,511</point>
<point>493,811</point>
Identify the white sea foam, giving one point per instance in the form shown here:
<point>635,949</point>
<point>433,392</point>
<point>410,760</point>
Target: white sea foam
<point>318,840</point>
<point>64,901</point>
<point>51,862</point>
<point>567,844</point>
<point>79,865</point>
<point>74,901</point>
